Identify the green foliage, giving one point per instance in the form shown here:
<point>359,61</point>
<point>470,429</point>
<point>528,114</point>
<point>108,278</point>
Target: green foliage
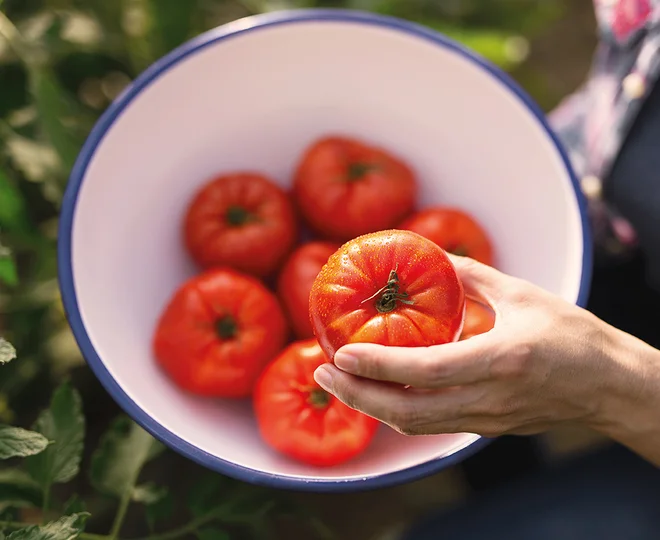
<point>61,63</point>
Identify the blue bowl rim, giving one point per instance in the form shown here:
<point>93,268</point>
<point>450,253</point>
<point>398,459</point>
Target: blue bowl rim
<point>66,280</point>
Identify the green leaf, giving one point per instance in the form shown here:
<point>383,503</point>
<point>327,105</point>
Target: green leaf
<point>122,453</point>
<point>64,424</point>
<point>19,442</point>
<point>8,273</point>
<point>65,528</point>
<point>18,490</point>
<point>55,109</point>
<point>212,533</point>
<point>159,511</point>
<point>148,494</point>
<point>13,211</point>
<point>75,505</point>
<point>7,351</point>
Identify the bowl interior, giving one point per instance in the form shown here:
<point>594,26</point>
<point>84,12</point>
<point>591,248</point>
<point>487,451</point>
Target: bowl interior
<point>254,101</point>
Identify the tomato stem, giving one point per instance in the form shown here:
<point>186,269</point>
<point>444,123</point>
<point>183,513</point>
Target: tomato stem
<point>237,216</point>
<point>319,398</point>
<point>357,170</point>
<point>390,294</point>
<point>459,250</point>
<point>226,327</point>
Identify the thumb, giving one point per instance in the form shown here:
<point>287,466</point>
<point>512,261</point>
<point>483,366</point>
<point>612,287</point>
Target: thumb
<point>480,281</point>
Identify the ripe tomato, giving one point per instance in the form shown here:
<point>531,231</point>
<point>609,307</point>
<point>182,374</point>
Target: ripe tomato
<point>345,188</point>
<point>479,319</point>
<point>241,220</point>
<point>390,287</point>
<point>300,419</point>
<point>296,280</point>
<point>454,231</point>
<point>218,332</point>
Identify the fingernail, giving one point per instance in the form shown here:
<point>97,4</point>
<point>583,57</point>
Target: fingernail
<point>323,377</point>
<point>346,362</point>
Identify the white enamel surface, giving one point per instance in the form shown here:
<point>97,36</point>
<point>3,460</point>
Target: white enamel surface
<point>253,102</point>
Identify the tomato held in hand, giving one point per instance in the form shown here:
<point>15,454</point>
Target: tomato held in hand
<point>345,188</point>
<point>218,332</point>
<point>243,221</point>
<point>390,287</point>
<point>454,231</point>
<point>300,419</point>
<point>296,280</point>
<point>479,319</point>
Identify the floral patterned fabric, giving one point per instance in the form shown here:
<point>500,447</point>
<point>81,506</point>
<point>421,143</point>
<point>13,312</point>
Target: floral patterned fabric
<point>593,122</point>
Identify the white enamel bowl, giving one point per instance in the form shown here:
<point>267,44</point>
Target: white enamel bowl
<point>252,94</point>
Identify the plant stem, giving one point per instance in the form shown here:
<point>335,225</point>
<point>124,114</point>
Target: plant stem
<point>121,514</point>
<point>14,39</point>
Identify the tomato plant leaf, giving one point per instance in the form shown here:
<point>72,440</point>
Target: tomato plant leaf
<point>148,494</point>
<point>206,494</point>
<point>18,490</point>
<point>19,442</point>
<point>7,351</point>
<point>123,451</point>
<point>172,22</point>
<point>65,528</point>
<point>64,424</point>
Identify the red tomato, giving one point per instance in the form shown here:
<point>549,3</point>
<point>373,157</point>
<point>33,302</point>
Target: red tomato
<point>218,332</point>
<point>300,419</point>
<point>454,231</point>
<point>345,188</point>
<point>296,280</point>
<point>479,319</point>
<point>390,287</point>
<point>241,220</point>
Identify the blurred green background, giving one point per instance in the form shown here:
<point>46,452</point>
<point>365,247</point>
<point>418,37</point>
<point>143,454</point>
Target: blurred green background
<point>63,61</point>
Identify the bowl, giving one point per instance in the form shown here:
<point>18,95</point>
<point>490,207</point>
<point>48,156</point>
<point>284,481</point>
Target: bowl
<point>251,95</point>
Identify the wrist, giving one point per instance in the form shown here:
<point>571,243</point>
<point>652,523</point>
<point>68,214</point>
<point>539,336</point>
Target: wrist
<point>628,405</point>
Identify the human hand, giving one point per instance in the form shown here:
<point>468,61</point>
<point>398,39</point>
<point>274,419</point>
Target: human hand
<point>545,362</point>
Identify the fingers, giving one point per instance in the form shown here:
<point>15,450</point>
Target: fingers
<point>407,411</point>
<point>441,366</point>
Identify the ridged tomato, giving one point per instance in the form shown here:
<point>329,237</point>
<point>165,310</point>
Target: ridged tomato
<point>390,287</point>
<point>218,332</point>
<point>454,231</point>
<point>300,419</point>
<point>345,188</point>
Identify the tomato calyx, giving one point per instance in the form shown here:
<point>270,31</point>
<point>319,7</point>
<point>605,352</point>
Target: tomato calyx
<point>226,327</point>
<point>237,216</point>
<point>319,398</point>
<point>359,169</point>
<point>390,294</point>
<point>459,250</point>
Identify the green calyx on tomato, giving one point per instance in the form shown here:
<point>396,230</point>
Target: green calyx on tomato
<point>319,398</point>
<point>359,169</point>
<point>226,327</point>
<point>388,296</point>
<point>238,216</point>
<point>459,250</point>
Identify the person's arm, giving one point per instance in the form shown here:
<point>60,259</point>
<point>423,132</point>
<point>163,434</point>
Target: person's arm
<point>545,362</point>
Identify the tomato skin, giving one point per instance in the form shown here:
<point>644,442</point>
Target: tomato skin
<point>322,436</point>
<point>187,342</point>
<point>345,296</point>
<point>241,220</point>
<point>345,188</point>
<point>295,283</point>
<point>479,319</point>
<point>454,231</point>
